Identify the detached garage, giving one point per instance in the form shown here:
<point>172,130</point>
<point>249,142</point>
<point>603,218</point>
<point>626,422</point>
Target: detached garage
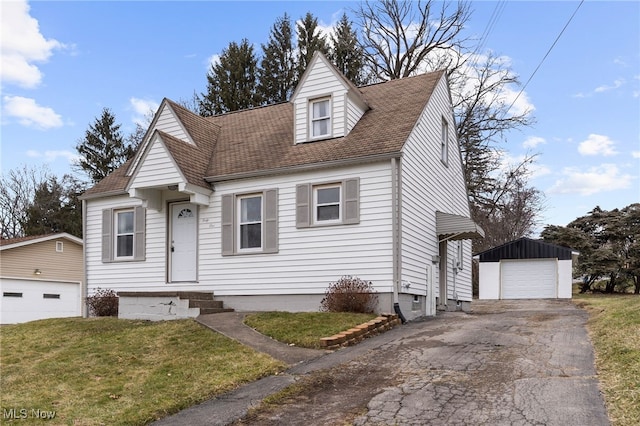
<point>40,278</point>
<point>526,269</point>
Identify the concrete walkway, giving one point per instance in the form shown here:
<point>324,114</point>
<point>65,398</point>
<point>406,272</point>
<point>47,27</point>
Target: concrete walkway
<point>231,324</point>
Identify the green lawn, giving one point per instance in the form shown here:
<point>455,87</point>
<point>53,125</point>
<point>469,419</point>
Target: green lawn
<point>304,328</point>
<point>118,372</point>
<point>614,328</point>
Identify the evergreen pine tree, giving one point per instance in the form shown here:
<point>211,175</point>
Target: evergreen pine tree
<point>232,82</point>
<point>310,39</point>
<point>55,208</point>
<point>277,68</point>
<point>346,52</point>
<point>103,148</point>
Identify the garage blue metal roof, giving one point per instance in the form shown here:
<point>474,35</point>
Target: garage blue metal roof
<point>526,248</point>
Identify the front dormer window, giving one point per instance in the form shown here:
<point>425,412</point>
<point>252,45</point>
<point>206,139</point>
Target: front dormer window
<point>320,112</point>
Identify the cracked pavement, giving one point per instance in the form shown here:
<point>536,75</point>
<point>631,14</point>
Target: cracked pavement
<point>508,363</point>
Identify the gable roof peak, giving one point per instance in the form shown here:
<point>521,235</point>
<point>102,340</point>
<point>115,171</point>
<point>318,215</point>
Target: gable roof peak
<point>320,57</point>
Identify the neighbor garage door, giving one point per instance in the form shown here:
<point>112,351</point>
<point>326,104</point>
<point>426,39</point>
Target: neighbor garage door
<point>529,279</point>
<point>23,300</point>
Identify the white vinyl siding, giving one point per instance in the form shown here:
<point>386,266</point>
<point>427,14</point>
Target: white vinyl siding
<point>168,123</point>
<point>321,81</point>
<point>157,168</point>
<point>427,187</point>
<point>306,262</point>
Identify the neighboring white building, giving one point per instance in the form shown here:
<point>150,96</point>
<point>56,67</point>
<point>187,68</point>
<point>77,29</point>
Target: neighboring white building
<point>526,269</point>
<point>266,207</point>
<point>40,278</point>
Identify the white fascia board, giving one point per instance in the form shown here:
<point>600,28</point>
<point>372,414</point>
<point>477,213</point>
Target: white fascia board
<point>197,194</point>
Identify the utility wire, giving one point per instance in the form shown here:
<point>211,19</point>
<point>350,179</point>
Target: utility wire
<point>545,57</point>
<point>495,16</point>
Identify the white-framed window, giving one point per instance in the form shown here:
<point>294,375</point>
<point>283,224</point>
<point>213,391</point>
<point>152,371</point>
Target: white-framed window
<point>59,246</point>
<point>327,204</point>
<point>249,222</point>
<point>444,143</point>
<point>320,113</point>
<point>123,236</point>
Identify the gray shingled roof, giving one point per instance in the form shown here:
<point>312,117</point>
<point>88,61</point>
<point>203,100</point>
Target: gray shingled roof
<point>261,140</point>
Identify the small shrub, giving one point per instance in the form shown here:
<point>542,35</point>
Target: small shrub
<point>350,294</point>
<point>104,303</point>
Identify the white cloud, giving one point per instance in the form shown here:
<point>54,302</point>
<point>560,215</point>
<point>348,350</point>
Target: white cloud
<point>22,44</point>
<point>533,141</point>
<point>603,178</point>
<point>143,110</point>
<point>51,156</point>
<point>30,114</point>
<point>635,154</point>
<point>597,145</point>
<point>604,88</point>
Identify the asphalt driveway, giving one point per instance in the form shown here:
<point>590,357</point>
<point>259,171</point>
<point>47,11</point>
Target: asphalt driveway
<point>506,363</point>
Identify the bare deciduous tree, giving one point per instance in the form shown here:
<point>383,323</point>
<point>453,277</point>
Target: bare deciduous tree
<point>17,191</point>
<point>402,38</point>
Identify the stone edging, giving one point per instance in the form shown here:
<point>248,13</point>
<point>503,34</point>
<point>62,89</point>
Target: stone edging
<point>356,334</point>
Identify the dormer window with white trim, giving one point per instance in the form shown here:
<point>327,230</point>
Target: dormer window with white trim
<point>320,113</point>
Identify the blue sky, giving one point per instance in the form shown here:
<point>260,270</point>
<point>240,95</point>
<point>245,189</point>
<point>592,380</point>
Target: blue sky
<point>62,62</point>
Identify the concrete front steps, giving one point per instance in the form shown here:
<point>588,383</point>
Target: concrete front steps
<point>205,302</point>
<point>167,305</point>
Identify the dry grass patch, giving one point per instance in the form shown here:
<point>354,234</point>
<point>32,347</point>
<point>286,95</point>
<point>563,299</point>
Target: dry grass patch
<point>304,329</point>
<point>614,328</point>
<point>119,372</point>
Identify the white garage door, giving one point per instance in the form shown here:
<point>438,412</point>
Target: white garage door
<point>23,300</point>
<point>529,279</point>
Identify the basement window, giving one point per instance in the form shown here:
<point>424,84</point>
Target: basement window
<point>11,294</point>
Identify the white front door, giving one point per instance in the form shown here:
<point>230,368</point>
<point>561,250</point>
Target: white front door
<point>183,242</point>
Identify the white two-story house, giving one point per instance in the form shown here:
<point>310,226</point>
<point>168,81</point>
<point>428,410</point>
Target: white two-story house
<point>266,207</point>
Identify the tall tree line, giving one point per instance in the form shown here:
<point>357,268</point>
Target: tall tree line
<point>240,79</point>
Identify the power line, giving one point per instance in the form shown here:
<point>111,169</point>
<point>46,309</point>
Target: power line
<point>493,19</point>
<point>545,57</point>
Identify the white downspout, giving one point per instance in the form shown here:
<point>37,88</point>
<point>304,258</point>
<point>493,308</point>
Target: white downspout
<point>395,219</point>
<point>83,287</point>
